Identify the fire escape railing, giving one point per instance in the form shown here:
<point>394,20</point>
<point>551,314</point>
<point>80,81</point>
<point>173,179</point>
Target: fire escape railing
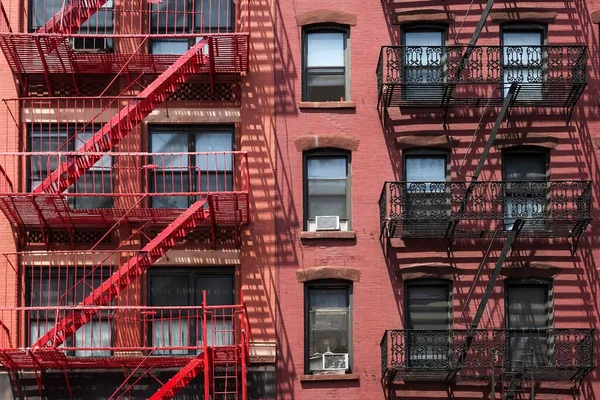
<point>547,76</point>
<point>428,209</point>
<point>552,354</point>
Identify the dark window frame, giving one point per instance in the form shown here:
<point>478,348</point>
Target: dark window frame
<point>326,28</point>
<point>548,286</point>
<point>429,282</point>
<point>192,273</point>
<point>410,331</point>
<point>327,153</point>
<point>70,141</point>
<point>328,284</point>
<point>521,27</point>
<point>426,27</point>
<point>191,130</point>
<point>72,278</point>
<point>524,151</point>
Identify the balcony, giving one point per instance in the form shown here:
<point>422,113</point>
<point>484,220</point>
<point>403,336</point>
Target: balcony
<point>148,189</point>
<point>454,76</point>
<point>442,355</point>
<point>443,210</point>
<point>52,288</point>
<point>66,41</point>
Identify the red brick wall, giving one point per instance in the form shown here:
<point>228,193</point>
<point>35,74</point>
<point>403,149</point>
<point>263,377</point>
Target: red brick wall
<point>378,297</point>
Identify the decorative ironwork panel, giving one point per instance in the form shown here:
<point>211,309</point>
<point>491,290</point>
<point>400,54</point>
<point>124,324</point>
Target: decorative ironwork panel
<point>425,76</point>
<point>548,354</point>
<point>549,208</point>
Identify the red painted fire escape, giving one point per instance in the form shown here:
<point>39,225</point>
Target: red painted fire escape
<point>215,186</point>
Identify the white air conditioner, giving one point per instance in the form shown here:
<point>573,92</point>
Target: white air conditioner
<point>335,361</point>
<point>327,223</point>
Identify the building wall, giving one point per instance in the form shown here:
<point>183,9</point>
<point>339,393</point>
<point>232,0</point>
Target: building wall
<point>378,302</point>
<point>253,117</point>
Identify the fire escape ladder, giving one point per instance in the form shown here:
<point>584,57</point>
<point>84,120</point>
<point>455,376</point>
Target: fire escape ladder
<point>508,100</point>
<point>126,120</point>
<point>71,16</point>
<point>464,60</point>
<point>126,274</point>
<point>184,376</point>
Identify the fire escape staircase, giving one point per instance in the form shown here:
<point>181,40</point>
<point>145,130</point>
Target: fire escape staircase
<point>125,121</point>
<point>70,18</point>
<point>125,275</point>
<point>185,376</point>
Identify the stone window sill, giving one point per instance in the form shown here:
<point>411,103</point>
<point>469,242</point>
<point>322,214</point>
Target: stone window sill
<point>326,104</point>
<point>344,235</point>
<point>329,377</point>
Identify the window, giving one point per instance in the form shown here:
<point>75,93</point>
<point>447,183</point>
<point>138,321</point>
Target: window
<point>327,187</point>
<point>523,59</point>
<point>188,16</point>
<point>427,194</point>
<point>328,327</point>
<point>325,62</point>
<point>529,323</point>
<point>424,57</point>
<point>174,327</point>
<point>525,172</point>
<point>67,288</point>
<point>176,172</point>
<point>101,23</point>
<point>428,313</point>
<point>58,138</point>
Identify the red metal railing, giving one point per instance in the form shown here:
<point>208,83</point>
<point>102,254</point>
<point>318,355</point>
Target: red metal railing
<point>134,186</point>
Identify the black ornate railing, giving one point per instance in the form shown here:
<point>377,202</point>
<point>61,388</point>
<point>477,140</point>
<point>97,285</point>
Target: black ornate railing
<point>433,354</point>
<point>430,209</point>
<point>547,354</point>
<point>548,76</point>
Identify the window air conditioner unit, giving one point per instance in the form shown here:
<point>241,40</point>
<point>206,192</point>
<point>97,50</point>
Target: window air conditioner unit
<point>327,223</point>
<point>335,361</point>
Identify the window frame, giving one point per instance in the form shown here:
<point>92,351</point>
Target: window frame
<point>71,139</point>
<point>427,27</point>
<point>524,151</point>
<point>192,274</point>
<point>326,28</point>
<point>425,152</point>
<point>73,276</point>
<point>327,153</point>
<point>321,285</point>
<point>521,27</point>
<point>548,286</point>
<point>191,130</point>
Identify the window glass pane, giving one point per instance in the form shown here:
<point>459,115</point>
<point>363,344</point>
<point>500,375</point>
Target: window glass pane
<point>325,49</point>
<point>169,290</point>
<point>525,167</point>
<point>101,21</point>
<point>328,324</point>
<point>530,342</point>
<point>169,16</point>
<point>523,62</point>
<point>95,333</point>
<point>528,307</point>
<point>522,38</point>
<point>42,10</point>
<point>214,142</point>
<point>169,46</point>
<point>171,332</point>
<point>423,38</point>
<point>428,307</point>
<point>327,186</point>
<point>172,143</point>
<point>426,169</point>
<point>219,289</point>
<point>214,15</point>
